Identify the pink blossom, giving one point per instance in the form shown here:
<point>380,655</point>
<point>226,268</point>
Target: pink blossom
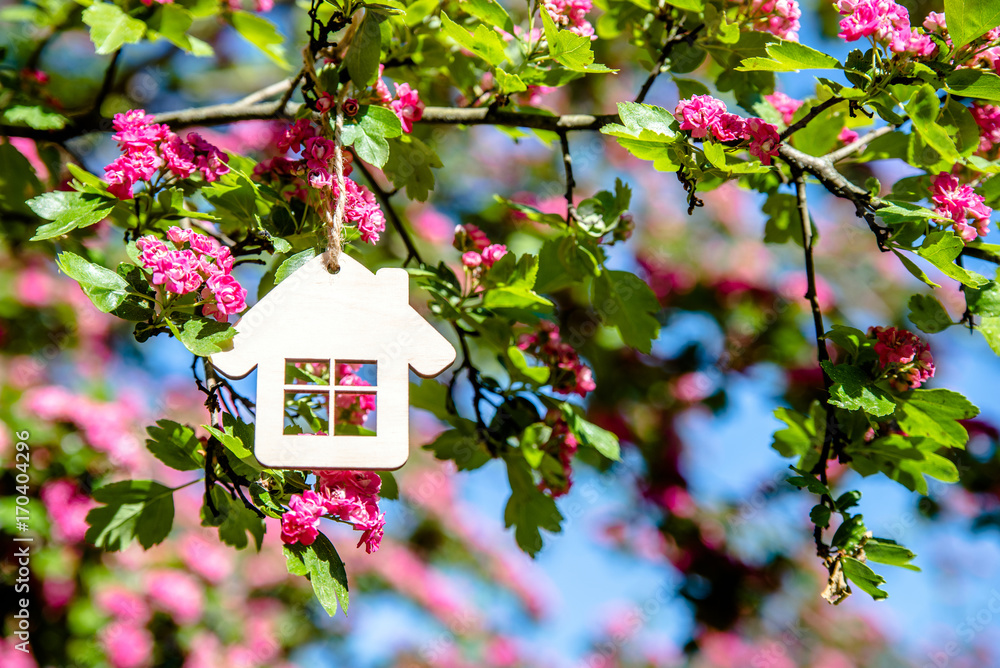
<point>468,235</point>
<point>176,593</point>
<point>123,604</point>
<point>297,133</point>
<point>135,130</point>
<point>912,42</point>
<point>778,17</point>
<point>729,127</point>
<point>492,253</point>
<point>351,107</point>
<point>407,106</point>
<point>179,157</point>
<point>936,23</point>
<point>571,14</point>
<point>263,5</point>
<point>958,202</point>
<point>363,210</point>
<point>764,139</point>
<point>324,103</point>
<point>58,591</point>
<point>472,259</point>
<point>34,287</point>
<point>209,159</point>
<point>570,375</point>
<point>126,645</point>
<point>784,105</point>
<point>352,497</point>
<point>904,355</point>
<point>878,19</point>
<point>178,235</point>
<point>381,90</point>
<point>229,296</point>
<point>987,117</point>
<point>11,657</point>
<point>67,508</point>
<point>300,523</point>
<point>206,557</point>
<point>699,114</point>
<point>847,135</point>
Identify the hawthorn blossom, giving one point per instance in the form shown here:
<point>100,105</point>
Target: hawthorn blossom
<point>352,408</point>
<point>147,147</point>
<point>784,105</point>
<point>569,375</point>
<point>572,15</point>
<point>904,356</point>
<point>987,117</point>
<point>887,23</point>
<point>847,135</point>
<point>469,234</point>
<point>300,523</point>
<point>67,508</point>
<point>699,114</point>
<point>407,106</point>
<point>492,254</point>
<point>127,645</point>
<point>960,202</point>
<point>729,127</point>
<point>778,17</point>
<point>472,259</point>
<point>348,496</point>
<point>177,593</point>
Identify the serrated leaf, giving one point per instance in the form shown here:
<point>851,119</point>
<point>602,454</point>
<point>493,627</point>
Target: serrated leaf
<point>175,445</point>
<point>528,509</point>
<point>849,533</point>
<point>974,83</point>
<point>68,211</point>
<point>289,266</point>
<point>485,43</point>
<point>940,248</point>
<point>234,520</point>
<point>536,374</point>
<point>202,336</point>
<point>968,20</point>
<point>110,27</point>
<point>789,57</point>
<point>625,301</point>
<point>934,414</point>
<point>462,445</point>
<point>853,390</point>
<point>923,109</point>
<point>590,435</point>
<point>410,164</point>
<point>133,509</point>
<point>365,51</point>
<point>927,313</point>
<point>865,578</point>
<point>491,12</point>
<point>322,565</point>
<point>104,287</point>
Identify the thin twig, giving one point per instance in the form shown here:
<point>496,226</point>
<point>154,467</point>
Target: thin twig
<point>858,144</point>
<point>383,198</point>
<point>810,115</point>
<point>570,181</point>
<point>107,83</point>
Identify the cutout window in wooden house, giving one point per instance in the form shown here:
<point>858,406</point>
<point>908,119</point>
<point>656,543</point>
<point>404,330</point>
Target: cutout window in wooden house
<point>347,406</point>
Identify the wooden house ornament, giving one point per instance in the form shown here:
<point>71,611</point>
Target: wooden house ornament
<point>317,318</point>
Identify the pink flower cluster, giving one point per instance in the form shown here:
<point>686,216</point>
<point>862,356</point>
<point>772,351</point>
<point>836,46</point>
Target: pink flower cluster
<point>987,117</point>
<point>784,105</point>
<point>572,14</point>
<point>315,167</point>
<point>204,263</point>
<point>885,22</point>
<point>476,247</point>
<point>348,496</point>
<point>569,374</point>
<point>562,445</point>
<point>67,508</point>
<point>960,202</point>
<point>778,17</point>
<point>406,105</point>
<point>352,408</point>
<point>904,355</point>
<point>147,147</point>
<point>703,114</point>
<point>105,426</point>
<point>237,5</point>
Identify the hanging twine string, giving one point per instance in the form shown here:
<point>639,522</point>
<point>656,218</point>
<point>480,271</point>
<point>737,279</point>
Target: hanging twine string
<point>335,228</point>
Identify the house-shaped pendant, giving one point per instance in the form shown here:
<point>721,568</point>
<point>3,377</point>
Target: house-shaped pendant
<point>349,320</point>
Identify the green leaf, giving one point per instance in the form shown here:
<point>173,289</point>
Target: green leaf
<point>292,264</point>
<point>789,57</point>
<point>528,510</point>
<point>133,509</point>
<point>853,390</point>
<point>848,338</point>
<point>238,438</point>
<point>927,313</point>
<point>484,42</point>
<point>924,108</point>
<point>974,83</point>
<point>322,565</point>
<point>848,500</point>
<point>940,248</point>
<point>646,117</point>
<point>989,327</point>
<point>202,336</point>
<point>234,520</point>
<point>104,287</point>
<point>590,435</point>
<point>462,445</point>
<point>866,579</point>
<point>261,33</point>
<point>968,20</point>
<point>625,301</point>
<point>110,27</point>
<point>536,374</point>
<point>365,51</point>
<point>933,414</point>
<point>137,307</point>
<point>849,533</point>
<point>509,83</point>
<point>68,211</point>
<point>389,488</point>
<point>985,300</point>
<point>799,437</point>
<point>783,223</point>
<point>410,164</point>
<point>914,269</point>
<point>373,124</point>
<point>820,515</point>
<point>570,50</point>
<point>491,12</point>
<point>36,117</point>
<point>172,22</point>
<point>175,445</point>
<point>885,551</point>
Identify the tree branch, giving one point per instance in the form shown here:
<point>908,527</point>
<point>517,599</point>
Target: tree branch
<point>857,144</point>
<point>810,115</point>
<point>570,181</point>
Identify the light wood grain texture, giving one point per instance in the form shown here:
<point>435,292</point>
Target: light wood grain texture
<point>351,315</point>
